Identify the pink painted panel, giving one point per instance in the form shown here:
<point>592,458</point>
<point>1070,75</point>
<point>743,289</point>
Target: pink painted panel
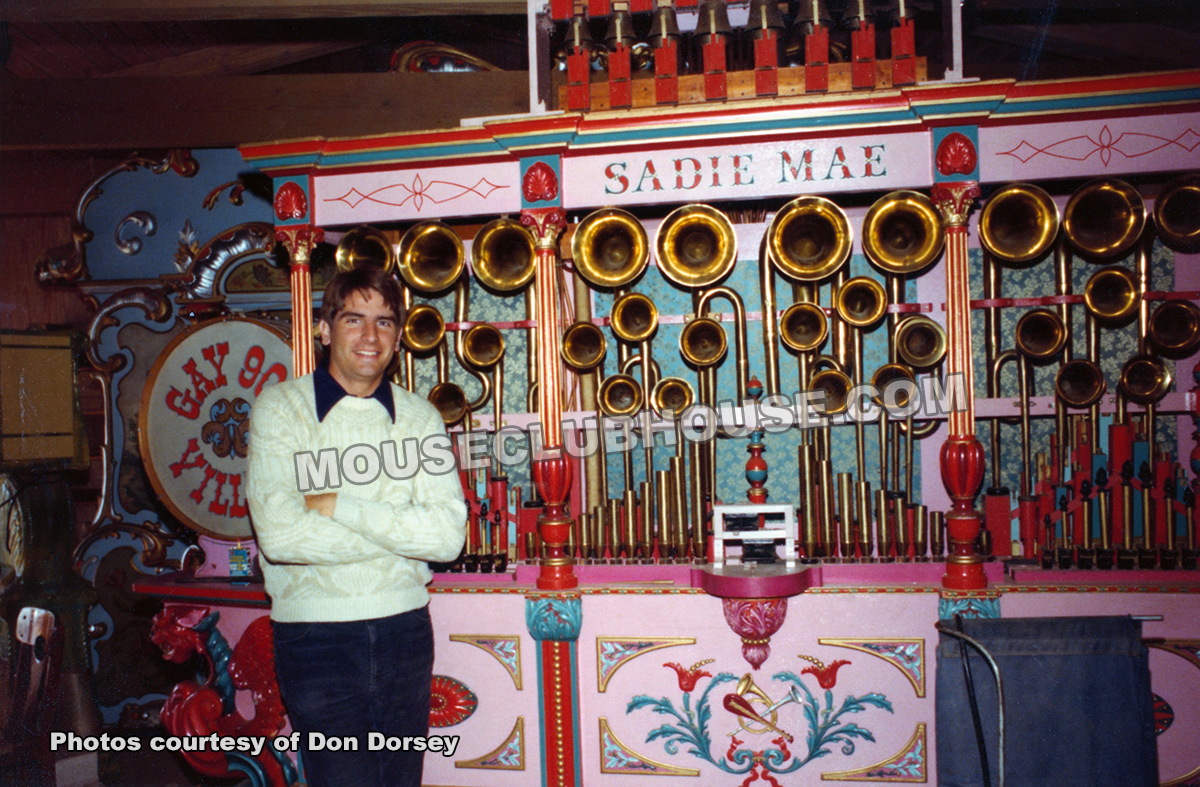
<point>1090,147</point>
<point>419,193</point>
<point>500,701</point>
<point>643,621</point>
<point>683,174</point>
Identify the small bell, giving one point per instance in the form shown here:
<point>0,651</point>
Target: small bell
<point>859,13</point>
<point>620,30</point>
<point>812,14</point>
<point>712,23</point>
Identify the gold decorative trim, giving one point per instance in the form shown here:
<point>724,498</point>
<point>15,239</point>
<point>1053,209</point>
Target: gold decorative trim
<point>515,738</point>
<point>851,643</point>
<point>660,768</point>
<point>860,774</point>
<point>602,678</point>
<point>478,640</point>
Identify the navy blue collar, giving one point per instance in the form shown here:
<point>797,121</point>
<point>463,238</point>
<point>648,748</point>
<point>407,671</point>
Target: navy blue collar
<point>329,392</point>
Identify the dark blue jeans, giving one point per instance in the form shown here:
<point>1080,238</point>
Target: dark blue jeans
<point>352,678</point>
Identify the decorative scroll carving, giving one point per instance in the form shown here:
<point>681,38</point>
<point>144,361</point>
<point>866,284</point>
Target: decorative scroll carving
<point>67,264</point>
<point>612,653</point>
<point>202,709</point>
<point>225,249</point>
<point>139,218</point>
<point>508,756</point>
<point>906,765</point>
<point>906,655</point>
<point>153,302</point>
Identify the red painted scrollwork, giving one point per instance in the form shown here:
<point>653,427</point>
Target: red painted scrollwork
<point>540,184</point>
<point>290,202</point>
<point>956,155</point>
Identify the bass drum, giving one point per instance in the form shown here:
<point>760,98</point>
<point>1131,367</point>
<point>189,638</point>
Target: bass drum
<point>194,421</point>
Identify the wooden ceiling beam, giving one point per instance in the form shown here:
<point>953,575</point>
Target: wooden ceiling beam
<point>215,111</point>
<point>194,10</point>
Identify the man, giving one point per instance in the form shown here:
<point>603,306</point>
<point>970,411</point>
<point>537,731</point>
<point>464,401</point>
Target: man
<point>345,566</point>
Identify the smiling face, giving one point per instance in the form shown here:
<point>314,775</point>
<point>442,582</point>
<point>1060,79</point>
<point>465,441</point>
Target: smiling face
<point>362,340</point>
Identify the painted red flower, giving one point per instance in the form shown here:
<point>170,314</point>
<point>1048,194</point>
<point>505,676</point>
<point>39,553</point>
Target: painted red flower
<point>826,675</point>
<point>689,676</point>
<point>451,702</point>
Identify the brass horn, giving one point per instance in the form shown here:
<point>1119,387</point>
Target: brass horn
<point>836,385</point>
<point>672,393</point>
<point>809,238</point>
<point>702,342</point>
<point>1112,294</point>
<point>424,328</point>
<point>365,246</point>
<point>1145,379</point>
<point>1019,223</point>
<point>431,257</point>
<point>1174,328</point>
<point>696,246</point>
<point>450,402</point>
<point>920,342</point>
<point>803,326</point>
<point>902,232</point>
<point>1177,213</point>
<point>1040,334</point>
<point>583,346</point>
<point>1104,218</point>
<point>502,255</point>
<point>634,317</point>
<point>620,394</point>
<point>861,301</point>
<point>483,346</point>
<point>610,248</point>
<point>1079,383</point>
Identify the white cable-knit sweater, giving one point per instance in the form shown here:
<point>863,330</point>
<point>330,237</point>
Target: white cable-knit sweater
<point>369,559</point>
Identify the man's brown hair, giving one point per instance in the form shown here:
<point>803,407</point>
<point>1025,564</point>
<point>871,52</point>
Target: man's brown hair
<point>364,279</point>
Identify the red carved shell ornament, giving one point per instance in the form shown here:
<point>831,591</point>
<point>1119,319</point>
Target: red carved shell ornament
<point>956,155</point>
<point>290,202</point>
<point>541,184</point>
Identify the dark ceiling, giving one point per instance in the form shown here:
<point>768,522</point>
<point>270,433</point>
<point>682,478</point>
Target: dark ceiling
<point>1022,39</point>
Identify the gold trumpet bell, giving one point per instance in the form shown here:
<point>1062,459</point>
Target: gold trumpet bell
<point>803,326</point>
<point>861,301</point>
<point>1174,328</point>
<point>1112,294</point>
<point>1040,334</point>
<point>364,246</point>
<point>696,246</point>
<point>1177,213</point>
<point>583,346</point>
<point>672,393</point>
<point>1145,379</point>
<point>1080,383</point>
<point>1019,223</point>
<point>483,346</point>
<point>620,394</point>
<point>920,341</point>
<point>634,317</point>
<point>890,373</point>
<point>1104,218</point>
<point>450,402</point>
<point>503,254</point>
<point>836,386</point>
<point>610,248</point>
<point>423,329</point>
<point>431,257</point>
<point>809,238</point>
<point>902,232</point>
<point>702,342</point>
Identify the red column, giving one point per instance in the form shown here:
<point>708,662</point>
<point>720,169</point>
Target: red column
<point>291,203</point>
<point>962,456</point>
<point>552,470</point>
